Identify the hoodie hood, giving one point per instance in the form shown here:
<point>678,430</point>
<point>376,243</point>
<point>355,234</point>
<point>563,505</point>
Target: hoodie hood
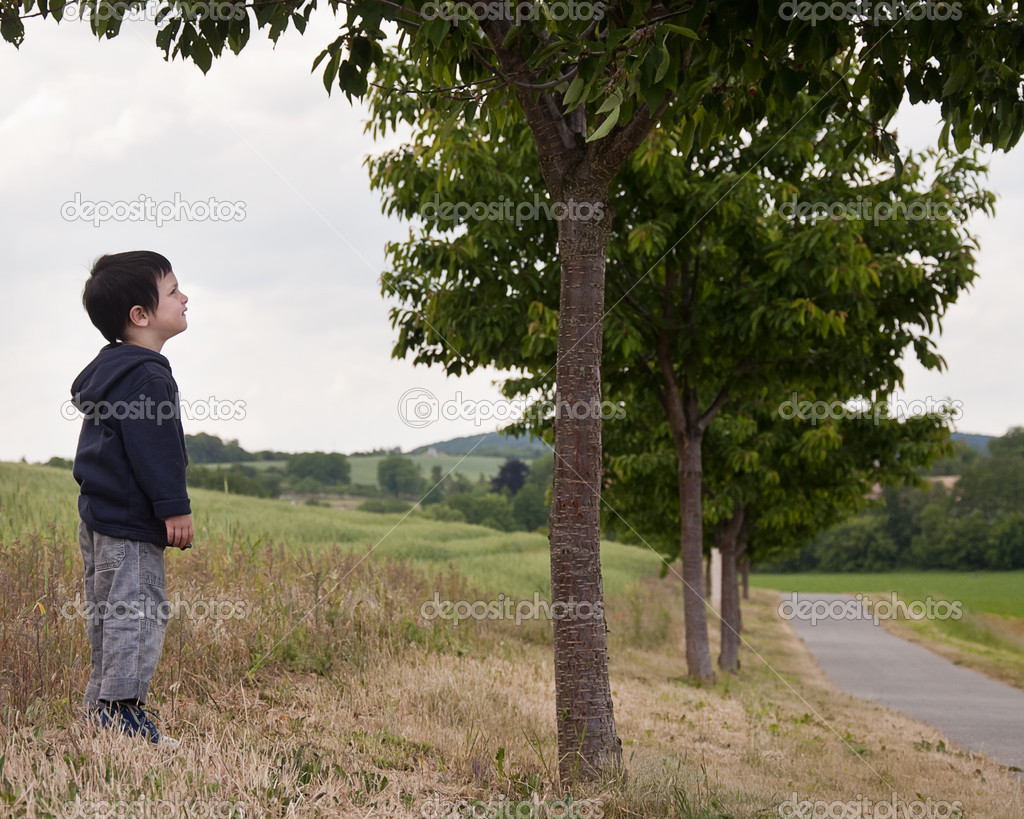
<point>114,372</point>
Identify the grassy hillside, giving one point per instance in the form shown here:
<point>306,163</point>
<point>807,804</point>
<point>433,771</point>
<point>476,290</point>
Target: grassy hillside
<point>37,498</point>
<point>304,680</point>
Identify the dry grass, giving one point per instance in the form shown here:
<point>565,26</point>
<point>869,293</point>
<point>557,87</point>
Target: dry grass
<point>359,707</point>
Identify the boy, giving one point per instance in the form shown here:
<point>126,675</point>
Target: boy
<point>130,466</point>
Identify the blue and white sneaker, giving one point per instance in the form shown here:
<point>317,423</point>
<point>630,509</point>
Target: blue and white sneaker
<point>132,719</point>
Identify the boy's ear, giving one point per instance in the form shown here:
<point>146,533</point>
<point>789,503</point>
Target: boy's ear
<point>137,317</point>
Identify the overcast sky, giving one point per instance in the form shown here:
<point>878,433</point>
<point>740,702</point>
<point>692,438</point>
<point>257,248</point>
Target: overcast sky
<point>285,311</point>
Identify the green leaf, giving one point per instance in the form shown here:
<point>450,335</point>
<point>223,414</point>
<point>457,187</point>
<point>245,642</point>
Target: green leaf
<point>201,54</point>
<point>436,30</point>
<point>512,37</point>
<point>11,27</point>
<point>611,103</point>
<point>664,65</point>
<point>572,95</point>
<point>605,126</point>
<point>686,137</point>
<point>683,30</point>
<point>331,72</point>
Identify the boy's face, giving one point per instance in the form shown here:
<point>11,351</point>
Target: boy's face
<point>169,318</point>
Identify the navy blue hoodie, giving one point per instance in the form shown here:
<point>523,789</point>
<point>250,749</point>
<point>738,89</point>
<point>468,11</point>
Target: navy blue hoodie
<point>131,455</point>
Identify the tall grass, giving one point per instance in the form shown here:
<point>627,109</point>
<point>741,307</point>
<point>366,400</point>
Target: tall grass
<point>330,694</point>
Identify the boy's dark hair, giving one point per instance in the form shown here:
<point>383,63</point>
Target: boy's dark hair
<point>119,281</point>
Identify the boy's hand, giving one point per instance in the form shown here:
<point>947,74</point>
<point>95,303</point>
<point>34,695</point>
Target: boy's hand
<point>179,531</point>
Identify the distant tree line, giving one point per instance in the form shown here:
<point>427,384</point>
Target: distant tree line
<point>516,499</point>
<point>217,464</point>
<point>210,449</point>
<point>978,524</point>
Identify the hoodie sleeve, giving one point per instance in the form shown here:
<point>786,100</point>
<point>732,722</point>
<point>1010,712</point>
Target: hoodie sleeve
<point>155,445</point>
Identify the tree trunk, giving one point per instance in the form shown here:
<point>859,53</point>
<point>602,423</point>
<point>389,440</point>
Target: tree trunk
<point>587,742</point>
<point>726,535</point>
<point>687,428</point>
<point>577,171</point>
<point>707,576</point>
<point>745,568</point>
<point>691,545</point>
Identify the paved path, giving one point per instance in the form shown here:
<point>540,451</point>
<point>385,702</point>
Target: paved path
<point>866,661</point>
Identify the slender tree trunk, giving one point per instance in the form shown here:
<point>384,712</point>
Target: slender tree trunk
<point>691,545</point>
<point>745,568</point>
<point>687,423</point>
<point>726,535</point>
<point>587,741</point>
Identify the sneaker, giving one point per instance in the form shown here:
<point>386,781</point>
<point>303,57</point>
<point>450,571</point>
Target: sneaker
<point>132,719</point>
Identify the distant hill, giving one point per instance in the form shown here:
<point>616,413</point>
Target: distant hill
<point>490,444</point>
<point>978,442</point>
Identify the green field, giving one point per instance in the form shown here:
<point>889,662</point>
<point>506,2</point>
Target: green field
<point>364,467</point>
<point>999,593</point>
<point>33,498</point>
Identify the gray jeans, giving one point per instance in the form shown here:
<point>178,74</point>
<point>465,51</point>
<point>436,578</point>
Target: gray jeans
<point>127,612</point>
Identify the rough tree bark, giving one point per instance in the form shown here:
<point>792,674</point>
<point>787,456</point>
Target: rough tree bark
<point>577,171</point>
<point>727,536</point>
<point>586,725</point>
